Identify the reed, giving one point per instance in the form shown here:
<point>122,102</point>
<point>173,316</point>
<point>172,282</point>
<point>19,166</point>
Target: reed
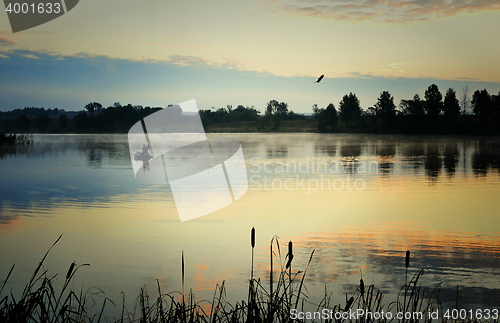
<point>252,243</point>
<point>407,264</point>
<point>41,303</point>
<point>252,307</point>
<point>14,139</point>
<point>182,270</point>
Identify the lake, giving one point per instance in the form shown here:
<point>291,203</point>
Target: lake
<point>360,201</point>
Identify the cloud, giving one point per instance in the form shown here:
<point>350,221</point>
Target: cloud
<point>4,41</point>
<point>359,75</point>
<point>195,61</point>
<point>109,63</point>
<point>399,64</point>
<point>389,11</point>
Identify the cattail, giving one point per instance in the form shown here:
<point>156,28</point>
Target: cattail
<point>70,270</point>
<point>252,237</point>
<point>271,270</point>
<point>361,286</point>
<point>407,264</point>
<point>182,269</point>
<point>289,262</point>
<point>349,303</point>
<point>252,243</point>
<point>290,254</point>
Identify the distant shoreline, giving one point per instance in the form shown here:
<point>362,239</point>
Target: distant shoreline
<point>471,126</point>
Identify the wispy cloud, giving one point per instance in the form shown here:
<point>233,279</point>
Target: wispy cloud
<point>390,11</point>
<point>195,61</point>
<point>4,41</point>
<point>106,61</point>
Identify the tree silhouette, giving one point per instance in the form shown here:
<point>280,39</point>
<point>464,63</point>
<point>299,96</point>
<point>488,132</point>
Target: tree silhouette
<point>327,118</point>
<point>385,107</point>
<point>450,106</point>
<point>482,104</point>
<point>282,109</point>
<point>417,106</point>
<point>274,113</point>
<point>93,108</point>
<point>433,102</point>
<point>411,117</point>
<point>465,102</point>
<point>495,101</point>
<point>349,108</point>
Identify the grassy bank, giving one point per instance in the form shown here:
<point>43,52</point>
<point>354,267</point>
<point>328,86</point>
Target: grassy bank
<point>302,125</point>
<point>282,301</point>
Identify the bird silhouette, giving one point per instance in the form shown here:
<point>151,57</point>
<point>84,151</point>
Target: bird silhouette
<point>319,79</point>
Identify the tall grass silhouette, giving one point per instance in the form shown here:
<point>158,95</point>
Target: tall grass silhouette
<point>40,302</point>
<point>14,139</point>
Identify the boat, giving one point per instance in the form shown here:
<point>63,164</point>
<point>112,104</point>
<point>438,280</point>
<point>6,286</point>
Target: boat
<point>144,157</point>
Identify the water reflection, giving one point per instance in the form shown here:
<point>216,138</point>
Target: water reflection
<point>277,152</point>
<point>53,169</point>
<point>485,157</point>
<point>95,158</point>
<point>447,256</point>
<point>432,162</point>
<point>386,149</point>
<point>84,184</point>
<point>53,166</point>
<point>79,169</point>
<point>450,159</point>
<point>326,149</point>
<point>350,150</point>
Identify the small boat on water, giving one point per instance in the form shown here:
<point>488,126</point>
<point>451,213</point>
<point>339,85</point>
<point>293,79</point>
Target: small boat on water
<point>144,157</point>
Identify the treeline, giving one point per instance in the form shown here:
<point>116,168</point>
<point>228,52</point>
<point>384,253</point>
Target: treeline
<point>94,118</point>
<point>271,120</point>
<point>434,114</point>
<point>31,111</point>
<point>115,118</point>
<point>118,119</point>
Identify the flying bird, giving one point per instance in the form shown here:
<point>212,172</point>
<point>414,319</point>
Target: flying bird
<point>319,79</point>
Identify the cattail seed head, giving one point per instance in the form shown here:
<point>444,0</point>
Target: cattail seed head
<point>70,270</point>
<point>182,268</point>
<point>407,262</point>
<point>290,248</point>
<point>252,237</point>
<point>362,287</point>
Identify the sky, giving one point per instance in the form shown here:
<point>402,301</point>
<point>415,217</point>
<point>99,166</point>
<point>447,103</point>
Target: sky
<point>220,52</point>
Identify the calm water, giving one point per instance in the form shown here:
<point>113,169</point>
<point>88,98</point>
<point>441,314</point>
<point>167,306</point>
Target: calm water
<point>360,201</point>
